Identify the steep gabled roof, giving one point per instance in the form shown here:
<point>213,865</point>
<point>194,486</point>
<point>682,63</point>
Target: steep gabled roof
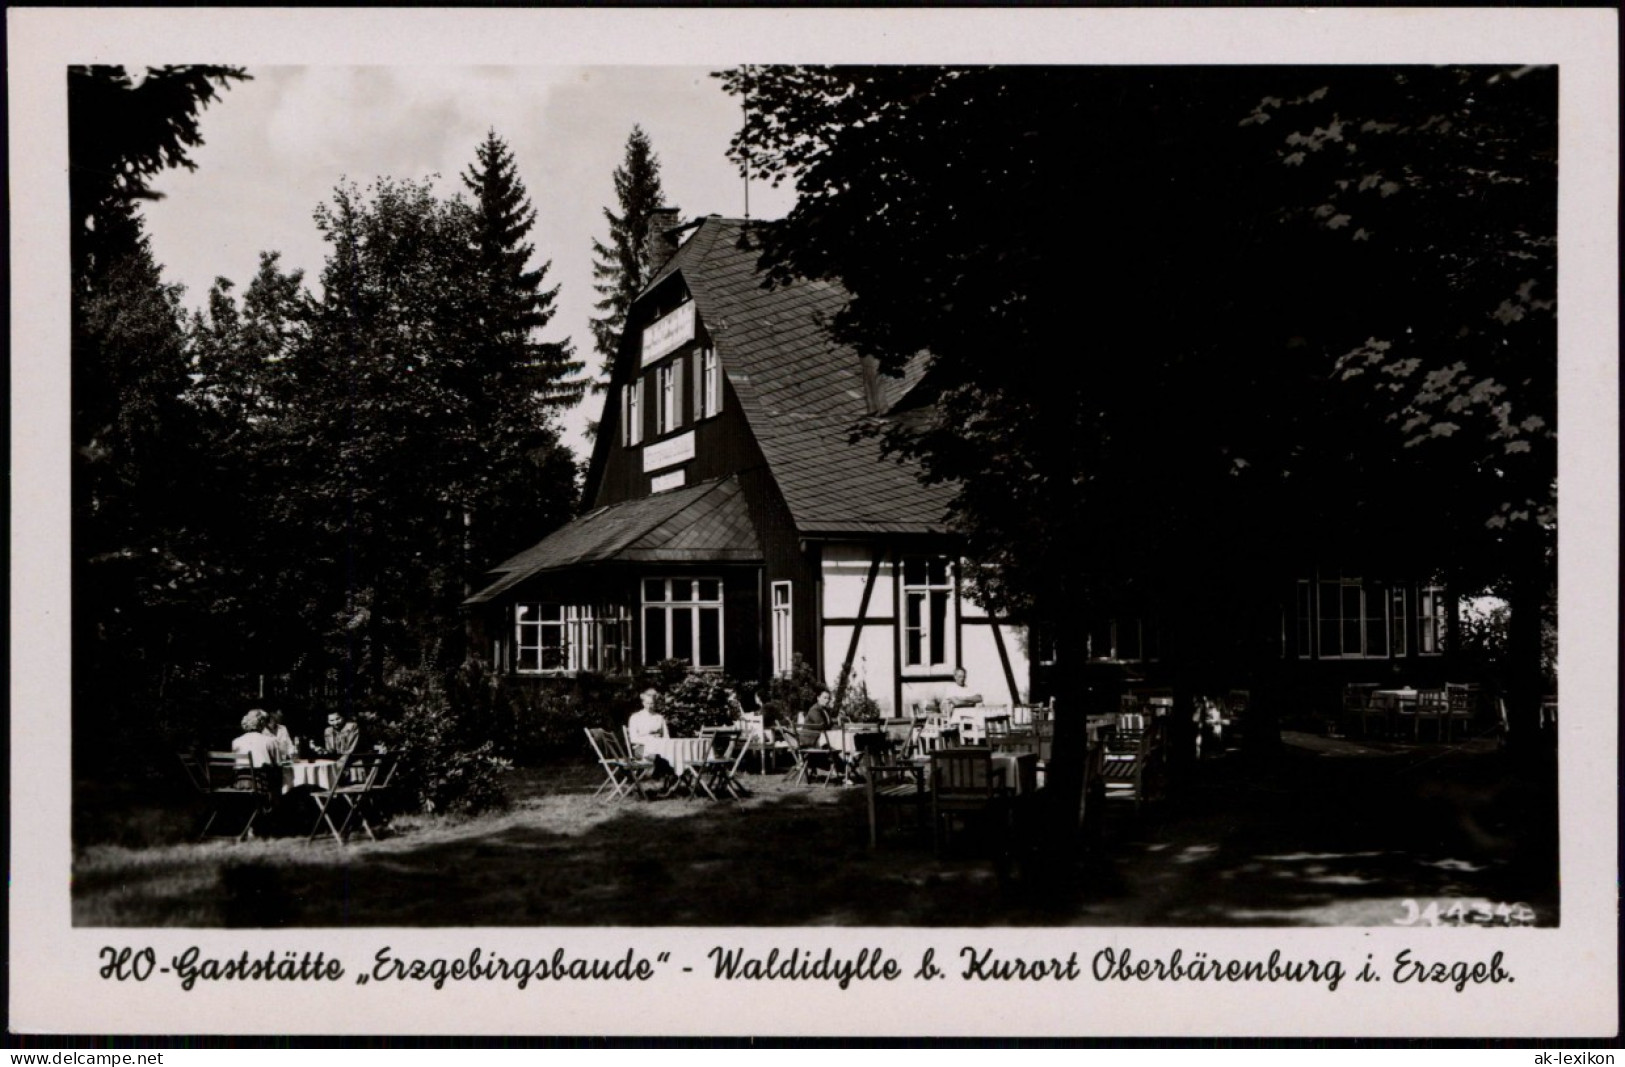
<point>701,523</point>
<point>802,393</point>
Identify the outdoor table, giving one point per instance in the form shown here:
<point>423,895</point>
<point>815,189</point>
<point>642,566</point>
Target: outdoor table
<point>1393,699</point>
<point>678,751</point>
<point>317,773</point>
<point>973,719</point>
<point>845,738</point>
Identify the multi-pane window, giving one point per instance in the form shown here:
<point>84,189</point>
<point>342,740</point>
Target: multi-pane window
<point>781,628</point>
<point>710,386</point>
<point>1399,615</point>
<point>632,411</point>
<point>668,397</point>
<point>570,637</point>
<point>1353,619</point>
<point>1430,619</point>
<point>928,588</point>
<point>682,619</point>
<point>539,643</point>
<point>1118,639</point>
<point>1306,619</point>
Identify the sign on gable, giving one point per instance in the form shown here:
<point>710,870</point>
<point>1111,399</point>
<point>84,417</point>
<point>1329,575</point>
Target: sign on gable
<point>668,333</point>
<point>667,452</point>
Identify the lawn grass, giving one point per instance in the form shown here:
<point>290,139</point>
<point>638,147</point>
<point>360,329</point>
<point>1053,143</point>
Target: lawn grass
<point>1304,839</point>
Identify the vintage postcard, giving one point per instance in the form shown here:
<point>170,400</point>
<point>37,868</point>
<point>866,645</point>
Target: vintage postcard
<point>815,522</point>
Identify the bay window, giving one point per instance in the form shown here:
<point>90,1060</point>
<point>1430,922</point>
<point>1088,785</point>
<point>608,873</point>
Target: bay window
<point>559,638</point>
<point>682,619</point>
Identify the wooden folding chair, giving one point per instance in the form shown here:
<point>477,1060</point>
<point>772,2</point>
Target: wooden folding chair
<point>964,785</point>
<point>1463,700</point>
<point>1127,765</point>
<point>1432,705</point>
<point>232,788</point>
<point>623,774</point>
<point>889,782</point>
<point>718,775</point>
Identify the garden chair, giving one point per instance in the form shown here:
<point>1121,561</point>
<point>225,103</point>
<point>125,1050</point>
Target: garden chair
<point>1463,701</point>
<point>230,791</point>
<point>1358,707</point>
<point>818,758</point>
<point>354,776</point>
<point>894,783</point>
<point>1432,705</point>
<point>1128,765</point>
<point>718,775</point>
<point>623,775</point>
<point>965,786</point>
<point>369,793</point>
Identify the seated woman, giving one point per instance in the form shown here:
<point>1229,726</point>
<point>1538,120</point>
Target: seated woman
<point>646,723</point>
<point>261,750</point>
<point>810,731</point>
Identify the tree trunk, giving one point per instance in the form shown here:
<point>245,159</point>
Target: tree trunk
<point>1525,680</point>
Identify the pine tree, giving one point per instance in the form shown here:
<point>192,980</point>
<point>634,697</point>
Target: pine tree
<point>621,267</point>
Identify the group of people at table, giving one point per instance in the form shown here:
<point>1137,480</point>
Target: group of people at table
<point>647,731</point>
<point>266,743</point>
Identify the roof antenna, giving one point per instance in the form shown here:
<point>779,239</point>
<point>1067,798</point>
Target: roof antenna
<point>744,137</point>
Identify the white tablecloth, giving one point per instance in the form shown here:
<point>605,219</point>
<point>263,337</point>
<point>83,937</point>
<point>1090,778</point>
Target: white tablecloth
<point>845,738</point>
<point>972,721</point>
<point>1392,698</point>
<point>677,751</point>
<point>321,773</point>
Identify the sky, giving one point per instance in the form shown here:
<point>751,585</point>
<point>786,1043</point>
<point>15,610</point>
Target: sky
<point>275,148</point>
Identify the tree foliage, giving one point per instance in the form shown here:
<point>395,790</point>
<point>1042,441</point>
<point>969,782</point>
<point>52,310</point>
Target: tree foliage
<point>621,268</point>
<point>1190,327</point>
<point>140,529</point>
<point>520,381</point>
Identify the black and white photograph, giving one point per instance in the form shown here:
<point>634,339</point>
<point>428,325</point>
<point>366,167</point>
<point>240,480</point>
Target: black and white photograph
<point>1048,527</point>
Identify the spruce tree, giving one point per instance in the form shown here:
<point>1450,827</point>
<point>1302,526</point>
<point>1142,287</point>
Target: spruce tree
<point>518,383</point>
<point>621,268</point>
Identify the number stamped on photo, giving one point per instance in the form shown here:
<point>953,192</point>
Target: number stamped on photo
<point>1457,912</point>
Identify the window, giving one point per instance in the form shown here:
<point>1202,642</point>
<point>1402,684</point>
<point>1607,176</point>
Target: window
<point>710,384</point>
<point>554,638</point>
<point>1353,619</point>
<point>682,619</point>
<point>632,411</point>
<point>1306,619</point>
<point>1123,638</point>
<point>928,587</point>
<point>668,397</point>
<point>538,638</point>
<point>1399,614</point>
<point>1430,616</point>
<point>781,628</point>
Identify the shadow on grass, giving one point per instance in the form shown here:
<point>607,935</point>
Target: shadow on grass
<point>1297,841</point>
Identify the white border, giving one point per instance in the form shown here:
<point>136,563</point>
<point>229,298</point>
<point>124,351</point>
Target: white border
<point>1566,978</point>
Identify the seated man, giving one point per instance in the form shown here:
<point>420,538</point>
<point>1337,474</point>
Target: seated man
<point>341,737</point>
<point>959,695</point>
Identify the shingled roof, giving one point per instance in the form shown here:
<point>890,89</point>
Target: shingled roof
<point>802,393</point>
<point>701,523</point>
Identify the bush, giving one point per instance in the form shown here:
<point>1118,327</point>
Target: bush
<point>793,693</point>
<point>546,717</point>
<point>857,705</point>
<point>443,765</point>
<point>699,699</point>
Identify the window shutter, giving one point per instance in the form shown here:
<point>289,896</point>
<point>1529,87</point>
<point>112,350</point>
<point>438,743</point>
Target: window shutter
<point>676,394</point>
<point>626,419</point>
<point>697,383</point>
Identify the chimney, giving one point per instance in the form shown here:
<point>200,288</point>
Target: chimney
<point>659,242</point>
